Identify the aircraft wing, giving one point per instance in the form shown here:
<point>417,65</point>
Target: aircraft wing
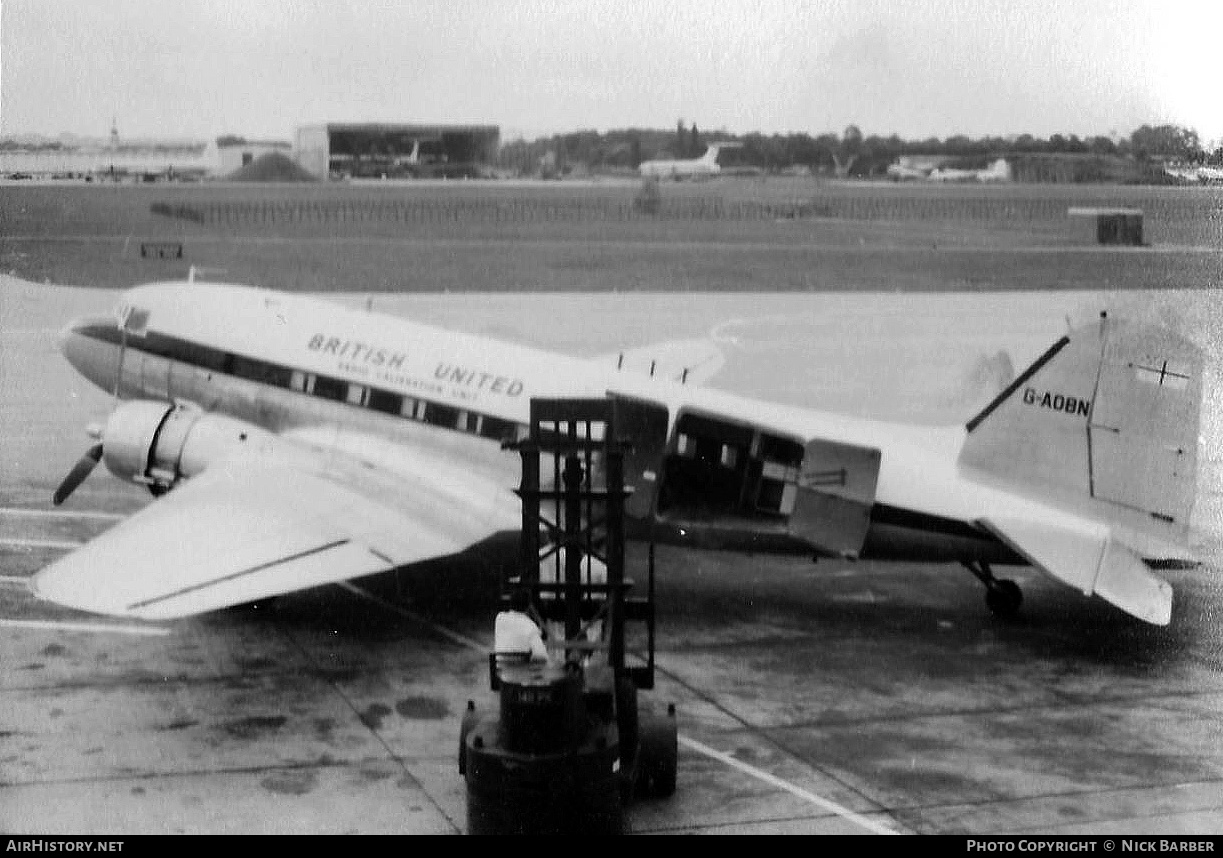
<point>246,529</point>
<point>1088,555</point>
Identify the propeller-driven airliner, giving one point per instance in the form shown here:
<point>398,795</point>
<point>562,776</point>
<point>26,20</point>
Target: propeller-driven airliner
<point>293,443</point>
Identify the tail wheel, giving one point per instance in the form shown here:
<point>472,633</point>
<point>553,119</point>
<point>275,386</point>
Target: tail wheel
<point>1002,595</point>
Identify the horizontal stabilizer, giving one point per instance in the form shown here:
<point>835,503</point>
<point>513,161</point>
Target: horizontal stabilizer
<point>1085,555</point>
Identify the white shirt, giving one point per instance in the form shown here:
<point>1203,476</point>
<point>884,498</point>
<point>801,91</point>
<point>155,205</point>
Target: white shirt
<point>514,631</point>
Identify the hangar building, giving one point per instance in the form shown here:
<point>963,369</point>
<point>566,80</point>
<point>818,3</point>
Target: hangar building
<point>393,151</point>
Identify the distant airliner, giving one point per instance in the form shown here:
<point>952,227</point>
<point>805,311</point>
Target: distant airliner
<point>295,443</point>
<point>914,168</point>
<point>998,171</point>
<point>703,167</point>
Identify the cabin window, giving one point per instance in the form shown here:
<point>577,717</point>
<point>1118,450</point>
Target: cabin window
<point>302,382</point>
<point>683,446</point>
<point>469,422</point>
<point>358,394</point>
<point>413,409</point>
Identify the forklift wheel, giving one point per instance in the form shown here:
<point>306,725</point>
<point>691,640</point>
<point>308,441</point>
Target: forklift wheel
<point>469,721</point>
<point>659,755</point>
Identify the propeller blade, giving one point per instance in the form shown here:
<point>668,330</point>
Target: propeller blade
<point>78,474</point>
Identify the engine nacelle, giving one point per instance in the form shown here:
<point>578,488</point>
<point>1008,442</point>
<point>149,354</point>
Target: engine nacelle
<point>158,444</point>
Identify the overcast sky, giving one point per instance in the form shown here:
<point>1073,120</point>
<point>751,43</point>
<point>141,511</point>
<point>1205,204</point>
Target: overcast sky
<point>919,68</point>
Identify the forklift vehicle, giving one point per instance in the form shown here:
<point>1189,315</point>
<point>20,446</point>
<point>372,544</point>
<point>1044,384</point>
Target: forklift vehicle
<point>568,745</point>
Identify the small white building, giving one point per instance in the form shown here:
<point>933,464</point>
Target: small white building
<point>90,158</point>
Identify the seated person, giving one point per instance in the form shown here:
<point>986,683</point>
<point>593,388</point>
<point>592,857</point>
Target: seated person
<point>594,571</point>
<point>516,632</point>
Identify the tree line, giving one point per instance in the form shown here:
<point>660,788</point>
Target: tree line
<point>850,153</point>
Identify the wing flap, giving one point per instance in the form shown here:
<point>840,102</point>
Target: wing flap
<point>327,563</point>
<point>1086,556</point>
<point>235,534</point>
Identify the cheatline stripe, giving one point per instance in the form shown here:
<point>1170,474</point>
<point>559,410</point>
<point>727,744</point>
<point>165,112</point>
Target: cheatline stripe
<point>692,744</point>
<point>58,625</point>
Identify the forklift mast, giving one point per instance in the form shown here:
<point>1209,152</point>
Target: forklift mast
<point>573,539</point>
<point>568,745</point>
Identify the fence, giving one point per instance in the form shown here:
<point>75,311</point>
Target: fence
<point>244,214</point>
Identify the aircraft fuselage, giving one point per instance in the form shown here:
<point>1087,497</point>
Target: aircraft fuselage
<point>710,469</point>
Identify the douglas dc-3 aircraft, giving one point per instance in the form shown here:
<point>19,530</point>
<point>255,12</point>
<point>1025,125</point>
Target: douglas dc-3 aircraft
<point>297,443</point>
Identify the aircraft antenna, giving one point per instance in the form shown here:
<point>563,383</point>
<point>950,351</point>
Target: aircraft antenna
<point>202,271</point>
<point>122,352</point>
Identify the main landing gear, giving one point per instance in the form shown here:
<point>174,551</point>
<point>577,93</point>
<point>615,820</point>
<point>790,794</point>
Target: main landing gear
<point>1002,595</point>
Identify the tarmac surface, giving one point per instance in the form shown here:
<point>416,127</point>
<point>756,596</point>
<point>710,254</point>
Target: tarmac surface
<point>866,698</point>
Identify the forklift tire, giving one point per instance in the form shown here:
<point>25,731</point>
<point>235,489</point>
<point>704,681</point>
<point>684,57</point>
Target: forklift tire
<point>627,718</point>
<point>658,759</point>
<point>469,721</point>
<point>628,729</point>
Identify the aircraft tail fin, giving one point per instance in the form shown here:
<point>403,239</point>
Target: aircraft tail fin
<point>1107,420</point>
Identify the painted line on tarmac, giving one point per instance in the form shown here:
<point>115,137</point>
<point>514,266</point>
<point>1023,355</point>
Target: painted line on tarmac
<point>832,806</point>
<point>692,744</point>
<point>61,513</point>
<point>22,581</point>
<point>462,640</point>
<point>59,625</point>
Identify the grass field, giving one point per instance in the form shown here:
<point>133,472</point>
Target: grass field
<point>727,235</point>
